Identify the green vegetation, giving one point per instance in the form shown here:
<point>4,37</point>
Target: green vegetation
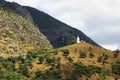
<point>65,52</point>
<point>116,68</point>
<point>58,64</point>
<point>83,54</point>
<point>27,54</point>
<point>17,35</point>
<point>91,55</point>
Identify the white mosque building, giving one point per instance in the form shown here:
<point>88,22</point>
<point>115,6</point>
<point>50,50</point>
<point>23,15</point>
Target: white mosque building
<point>78,39</point>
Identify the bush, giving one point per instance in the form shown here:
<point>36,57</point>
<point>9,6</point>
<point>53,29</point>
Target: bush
<point>14,76</point>
<point>21,59</point>
<point>50,60</point>
<point>75,50</point>
<point>12,59</point>
<point>81,69</point>
<point>9,66</point>
<point>91,55</point>
<point>83,54</point>
<point>66,52</point>
<point>70,59</point>
<point>106,57</point>
<point>116,69</point>
<point>104,73</point>
<point>55,51</point>
<point>99,59</point>
<point>38,73</point>
<point>41,59</point>
<point>115,55</point>
<point>33,54</point>
<point>52,74</point>
<point>24,70</point>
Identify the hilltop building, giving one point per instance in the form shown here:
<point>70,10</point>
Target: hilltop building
<point>78,39</point>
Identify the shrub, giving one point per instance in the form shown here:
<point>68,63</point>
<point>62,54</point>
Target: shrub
<point>75,50</point>
<point>12,59</point>
<point>52,74</point>
<point>81,69</point>
<point>38,73</point>
<point>50,60</point>
<point>70,59</point>
<point>115,55</point>
<point>66,52</point>
<point>99,59</point>
<point>24,70</point>
<point>21,59</point>
<point>41,59</point>
<point>106,57</point>
<point>83,54</point>
<point>33,54</point>
<point>91,55</point>
<point>9,66</point>
<point>55,51</point>
<point>116,69</point>
<point>90,49</point>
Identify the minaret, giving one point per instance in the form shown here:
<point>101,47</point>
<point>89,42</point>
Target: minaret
<point>78,39</point>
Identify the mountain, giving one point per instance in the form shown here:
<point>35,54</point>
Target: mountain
<point>17,8</point>
<point>18,35</point>
<point>58,33</point>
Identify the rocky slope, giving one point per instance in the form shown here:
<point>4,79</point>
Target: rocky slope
<point>18,35</point>
<point>58,33</point>
<point>17,8</point>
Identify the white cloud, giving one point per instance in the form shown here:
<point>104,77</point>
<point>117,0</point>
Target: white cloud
<point>110,46</point>
<point>97,18</point>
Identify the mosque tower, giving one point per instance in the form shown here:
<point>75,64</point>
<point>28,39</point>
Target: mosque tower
<point>78,39</point>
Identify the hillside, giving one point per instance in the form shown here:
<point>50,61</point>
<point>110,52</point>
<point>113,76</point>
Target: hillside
<point>17,8</point>
<point>18,35</point>
<point>58,33</point>
<point>74,62</point>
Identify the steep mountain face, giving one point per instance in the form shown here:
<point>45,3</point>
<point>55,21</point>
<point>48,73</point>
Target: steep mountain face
<point>58,33</point>
<point>17,8</point>
<point>17,35</point>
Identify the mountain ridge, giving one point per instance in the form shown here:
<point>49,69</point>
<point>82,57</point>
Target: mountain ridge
<point>17,8</point>
<point>58,33</point>
<point>63,33</point>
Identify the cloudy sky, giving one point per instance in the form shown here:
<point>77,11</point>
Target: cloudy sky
<point>99,19</point>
